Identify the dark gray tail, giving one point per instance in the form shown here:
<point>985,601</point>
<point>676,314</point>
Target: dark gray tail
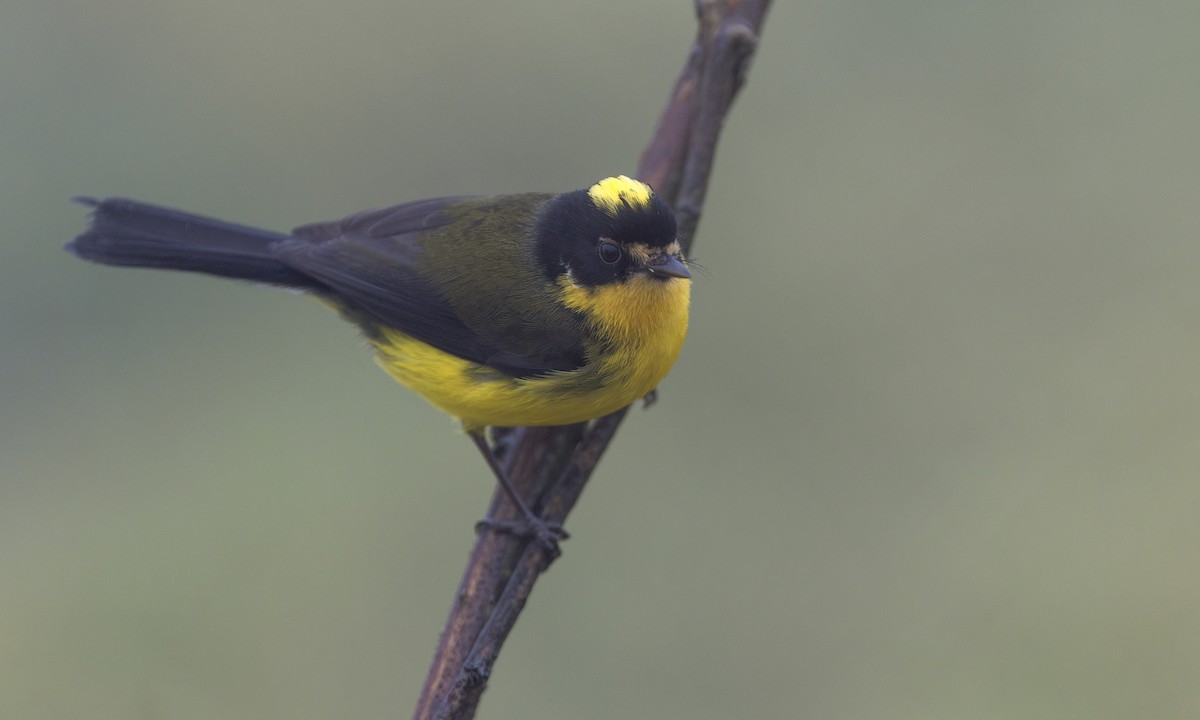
<point>133,234</point>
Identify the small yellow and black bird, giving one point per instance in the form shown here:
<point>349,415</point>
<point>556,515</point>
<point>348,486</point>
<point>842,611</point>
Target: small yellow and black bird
<point>529,309</point>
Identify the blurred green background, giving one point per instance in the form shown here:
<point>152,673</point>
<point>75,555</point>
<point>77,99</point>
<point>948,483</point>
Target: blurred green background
<point>931,452</point>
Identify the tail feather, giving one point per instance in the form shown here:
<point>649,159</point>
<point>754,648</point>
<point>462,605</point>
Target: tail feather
<point>133,234</point>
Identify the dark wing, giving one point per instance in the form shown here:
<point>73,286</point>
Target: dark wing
<point>384,224</point>
<point>370,264</point>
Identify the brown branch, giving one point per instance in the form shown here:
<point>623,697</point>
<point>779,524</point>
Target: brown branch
<point>553,464</point>
<point>529,462</point>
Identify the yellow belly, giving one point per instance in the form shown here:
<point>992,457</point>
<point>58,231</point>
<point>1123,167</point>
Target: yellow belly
<point>643,322</point>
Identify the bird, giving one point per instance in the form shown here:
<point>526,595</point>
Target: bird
<point>509,310</point>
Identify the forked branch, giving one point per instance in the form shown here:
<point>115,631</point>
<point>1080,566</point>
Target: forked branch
<point>553,464</point>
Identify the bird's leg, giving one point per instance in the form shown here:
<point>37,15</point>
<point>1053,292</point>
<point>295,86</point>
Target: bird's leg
<point>547,534</point>
<point>503,441</point>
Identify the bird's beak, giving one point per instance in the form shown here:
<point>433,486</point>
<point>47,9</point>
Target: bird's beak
<point>667,266</point>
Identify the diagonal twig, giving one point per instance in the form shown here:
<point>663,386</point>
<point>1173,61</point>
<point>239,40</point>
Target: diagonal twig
<point>552,464</point>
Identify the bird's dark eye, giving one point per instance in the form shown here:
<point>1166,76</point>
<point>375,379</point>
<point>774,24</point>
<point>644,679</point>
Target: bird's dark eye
<point>610,252</point>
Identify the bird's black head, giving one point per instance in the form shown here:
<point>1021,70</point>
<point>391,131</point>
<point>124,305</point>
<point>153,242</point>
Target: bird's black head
<point>613,231</point>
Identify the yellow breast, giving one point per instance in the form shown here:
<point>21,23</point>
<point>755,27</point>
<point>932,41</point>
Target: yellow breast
<point>638,328</point>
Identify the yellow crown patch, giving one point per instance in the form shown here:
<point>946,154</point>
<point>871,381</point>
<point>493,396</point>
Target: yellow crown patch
<point>610,193</point>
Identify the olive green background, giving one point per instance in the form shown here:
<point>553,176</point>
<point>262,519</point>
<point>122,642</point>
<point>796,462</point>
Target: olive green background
<point>932,450</point>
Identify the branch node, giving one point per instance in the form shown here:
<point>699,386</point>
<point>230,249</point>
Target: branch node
<point>474,676</point>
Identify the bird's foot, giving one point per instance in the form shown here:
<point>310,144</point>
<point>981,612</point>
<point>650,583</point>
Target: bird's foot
<point>543,533</point>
